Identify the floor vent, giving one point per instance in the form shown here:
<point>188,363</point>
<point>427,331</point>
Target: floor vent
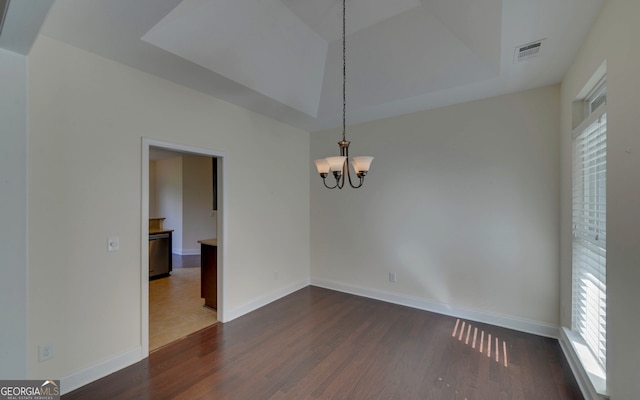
<point>527,51</point>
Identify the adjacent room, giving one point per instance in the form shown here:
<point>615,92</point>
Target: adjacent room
<point>182,213</point>
<point>416,199</point>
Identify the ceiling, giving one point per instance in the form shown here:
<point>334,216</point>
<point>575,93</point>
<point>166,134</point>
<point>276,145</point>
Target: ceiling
<point>283,58</point>
<point>20,23</point>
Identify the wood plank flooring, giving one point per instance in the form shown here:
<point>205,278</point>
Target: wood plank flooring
<point>321,344</point>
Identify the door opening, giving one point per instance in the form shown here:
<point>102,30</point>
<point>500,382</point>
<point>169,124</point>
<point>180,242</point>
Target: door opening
<point>185,274</point>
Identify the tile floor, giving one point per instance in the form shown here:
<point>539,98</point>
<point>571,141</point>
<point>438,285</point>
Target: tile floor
<point>175,306</point>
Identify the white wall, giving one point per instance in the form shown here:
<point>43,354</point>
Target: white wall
<point>461,202</point>
<point>169,198</point>
<point>13,215</point>
<point>153,196</point>
<point>613,38</point>
<point>197,199</point>
<point>87,116</point>
<point>183,192</point>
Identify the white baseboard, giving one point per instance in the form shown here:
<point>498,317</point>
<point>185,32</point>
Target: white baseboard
<point>264,300</point>
<point>100,370</point>
<point>186,252</point>
<point>522,325</point>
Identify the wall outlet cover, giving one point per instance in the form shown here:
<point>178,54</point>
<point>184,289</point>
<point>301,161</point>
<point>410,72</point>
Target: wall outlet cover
<point>45,352</point>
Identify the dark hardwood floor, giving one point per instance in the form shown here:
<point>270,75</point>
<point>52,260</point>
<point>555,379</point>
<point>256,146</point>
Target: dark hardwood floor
<point>321,344</point>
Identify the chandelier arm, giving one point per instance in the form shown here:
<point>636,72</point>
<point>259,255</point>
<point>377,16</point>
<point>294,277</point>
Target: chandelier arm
<point>324,181</point>
<point>341,181</point>
<point>361,178</point>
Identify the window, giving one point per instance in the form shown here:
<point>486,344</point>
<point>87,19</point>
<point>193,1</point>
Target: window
<point>597,100</point>
<point>589,313</point>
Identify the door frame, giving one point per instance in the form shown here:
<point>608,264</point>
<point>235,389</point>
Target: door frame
<point>144,229</point>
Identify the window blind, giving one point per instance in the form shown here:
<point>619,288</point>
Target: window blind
<point>589,233</point>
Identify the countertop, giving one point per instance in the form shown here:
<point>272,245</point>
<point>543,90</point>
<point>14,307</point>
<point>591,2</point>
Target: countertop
<point>157,231</point>
<point>209,242</point>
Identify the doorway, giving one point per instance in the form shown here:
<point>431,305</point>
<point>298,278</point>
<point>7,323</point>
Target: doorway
<point>187,264</point>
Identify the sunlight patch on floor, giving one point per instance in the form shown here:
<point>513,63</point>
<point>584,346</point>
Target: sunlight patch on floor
<point>462,332</point>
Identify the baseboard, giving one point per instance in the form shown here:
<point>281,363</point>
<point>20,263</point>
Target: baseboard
<point>264,300</point>
<point>100,370</point>
<point>186,252</point>
<point>582,376</point>
<point>522,325</point>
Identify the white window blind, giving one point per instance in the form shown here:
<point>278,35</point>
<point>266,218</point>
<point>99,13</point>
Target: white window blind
<point>589,233</point>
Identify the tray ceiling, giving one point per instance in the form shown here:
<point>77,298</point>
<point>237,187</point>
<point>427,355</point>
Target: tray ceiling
<point>283,58</point>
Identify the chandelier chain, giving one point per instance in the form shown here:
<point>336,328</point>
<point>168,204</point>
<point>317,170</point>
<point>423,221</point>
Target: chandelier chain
<point>344,70</point>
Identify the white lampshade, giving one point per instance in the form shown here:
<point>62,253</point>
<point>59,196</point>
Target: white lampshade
<point>323,166</point>
<point>336,163</point>
<point>362,164</point>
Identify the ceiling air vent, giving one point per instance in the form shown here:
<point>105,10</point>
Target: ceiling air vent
<point>527,51</point>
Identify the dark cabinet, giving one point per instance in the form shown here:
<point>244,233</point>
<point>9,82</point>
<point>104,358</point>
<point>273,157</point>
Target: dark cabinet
<point>209,272</point>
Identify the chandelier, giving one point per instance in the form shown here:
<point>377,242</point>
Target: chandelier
<point>339,165</point>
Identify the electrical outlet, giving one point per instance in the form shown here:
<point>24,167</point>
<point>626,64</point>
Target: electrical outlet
<point>45,352</point>
<point>113,243</point>
<point>392,277</point>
